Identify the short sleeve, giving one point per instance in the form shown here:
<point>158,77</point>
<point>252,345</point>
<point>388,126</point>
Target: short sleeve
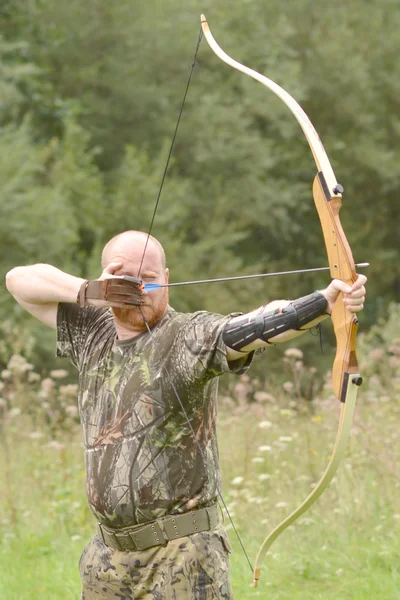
<point>75,325</point>
<point>204,340</point>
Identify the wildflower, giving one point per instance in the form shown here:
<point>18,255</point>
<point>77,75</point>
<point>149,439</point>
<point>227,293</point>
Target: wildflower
<point>33,377</point>
<point>316,419</point>
<point>377,354</point>
<point>71,410</point>
<point>47,384</point>
<point>258,459</point>
<point>293,353</point>
<point>265,448</point>
<point>265,424</point>
<point>76,538</point>
<point>281,505</point>
<point>14,412</point>
<point>261,396</point>
<point>69,390</point>
<point>19,364</point>
<point>264,477</point>
<point>227,401</point>
<point>58,373</point>
<point>285,438</point>
<point>285,412</point>
<point>241,391</point>
<point>56,445</point>
<point>288,386</point>
<point>36,435</point>
<point>237,480</point>
<point>6,374</point>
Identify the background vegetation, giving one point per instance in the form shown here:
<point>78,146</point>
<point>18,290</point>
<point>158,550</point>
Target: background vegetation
<point>89,96</point>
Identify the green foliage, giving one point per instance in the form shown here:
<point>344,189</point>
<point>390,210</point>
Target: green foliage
<point>90,93</point>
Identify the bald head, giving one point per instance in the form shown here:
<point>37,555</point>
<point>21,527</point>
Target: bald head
<point>129,246</point>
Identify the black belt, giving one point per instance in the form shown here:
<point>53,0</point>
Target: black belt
<point>160,531</point>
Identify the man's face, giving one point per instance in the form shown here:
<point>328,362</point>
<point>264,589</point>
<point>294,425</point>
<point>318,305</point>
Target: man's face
<point>152,271</point>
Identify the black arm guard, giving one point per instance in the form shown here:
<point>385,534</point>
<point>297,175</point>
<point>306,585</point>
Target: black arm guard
<point>241,332</point>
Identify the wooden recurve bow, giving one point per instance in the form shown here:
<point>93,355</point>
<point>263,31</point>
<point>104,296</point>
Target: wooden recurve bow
<point>345,373</point>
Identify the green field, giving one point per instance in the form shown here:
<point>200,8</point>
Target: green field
<point>273,445</point>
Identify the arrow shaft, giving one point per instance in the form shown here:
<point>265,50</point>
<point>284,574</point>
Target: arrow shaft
<point>154,286</point>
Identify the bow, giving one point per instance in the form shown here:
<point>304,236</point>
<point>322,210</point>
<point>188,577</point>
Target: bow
<point>327,195</point>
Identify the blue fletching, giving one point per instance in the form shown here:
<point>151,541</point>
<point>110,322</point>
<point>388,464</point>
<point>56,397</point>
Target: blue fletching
<point>151,286</point>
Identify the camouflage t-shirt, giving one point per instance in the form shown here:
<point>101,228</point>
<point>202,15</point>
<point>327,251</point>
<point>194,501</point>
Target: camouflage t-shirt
<point>142,460</point>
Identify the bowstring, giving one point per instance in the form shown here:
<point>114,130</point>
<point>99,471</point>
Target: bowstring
<point>140,308</point>
<point>200,449</point>
<point>171,149</point>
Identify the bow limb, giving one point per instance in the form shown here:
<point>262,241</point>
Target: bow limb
<point>328,199</point>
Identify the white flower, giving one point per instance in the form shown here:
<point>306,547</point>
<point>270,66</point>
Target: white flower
<point>72,410</point>
<point>32,377</point>
<point>294,353</point>
<point>285,438</point>
<point>56,445</point>
<point>58,373</point>
<point>265,448</point>
<point>237,480</point>
<point>47,384</point>
<point>265,424</point>
<point>261,396</point>
<point>288,386</point>
<point>264,477</point>
<point>19,364</point>
<point>36,435</point>
<point>14,412</point>
<point>258,459</point>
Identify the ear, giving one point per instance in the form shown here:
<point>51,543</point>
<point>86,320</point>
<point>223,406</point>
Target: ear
<point>166,275</point>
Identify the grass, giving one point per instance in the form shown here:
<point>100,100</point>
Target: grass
<point>272,450</point>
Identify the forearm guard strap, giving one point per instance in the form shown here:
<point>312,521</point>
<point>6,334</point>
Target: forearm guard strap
<point>240,332</point>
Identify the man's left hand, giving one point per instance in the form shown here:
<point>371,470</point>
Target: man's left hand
<point>353,296</point>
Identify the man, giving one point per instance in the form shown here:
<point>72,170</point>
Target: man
<point>147,401</point>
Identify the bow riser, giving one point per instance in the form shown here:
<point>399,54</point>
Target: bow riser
<point>342,267</point>
<point>328,206</point>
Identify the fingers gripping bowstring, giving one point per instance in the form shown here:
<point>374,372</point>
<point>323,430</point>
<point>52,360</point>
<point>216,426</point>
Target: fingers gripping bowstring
<point>192,431</point>
<point>170,150</point>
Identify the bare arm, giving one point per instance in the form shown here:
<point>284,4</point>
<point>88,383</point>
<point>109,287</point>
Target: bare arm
<point>40,288</point>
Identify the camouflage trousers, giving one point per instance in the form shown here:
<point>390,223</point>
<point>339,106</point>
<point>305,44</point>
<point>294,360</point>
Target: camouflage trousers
<point>188,568</point>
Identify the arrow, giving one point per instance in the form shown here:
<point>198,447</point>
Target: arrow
<point>155,286</point>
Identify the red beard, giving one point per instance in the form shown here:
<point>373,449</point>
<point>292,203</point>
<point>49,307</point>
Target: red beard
<point>152,312</point>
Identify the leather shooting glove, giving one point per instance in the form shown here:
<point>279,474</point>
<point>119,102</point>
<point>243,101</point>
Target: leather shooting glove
<point>113,291</point>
